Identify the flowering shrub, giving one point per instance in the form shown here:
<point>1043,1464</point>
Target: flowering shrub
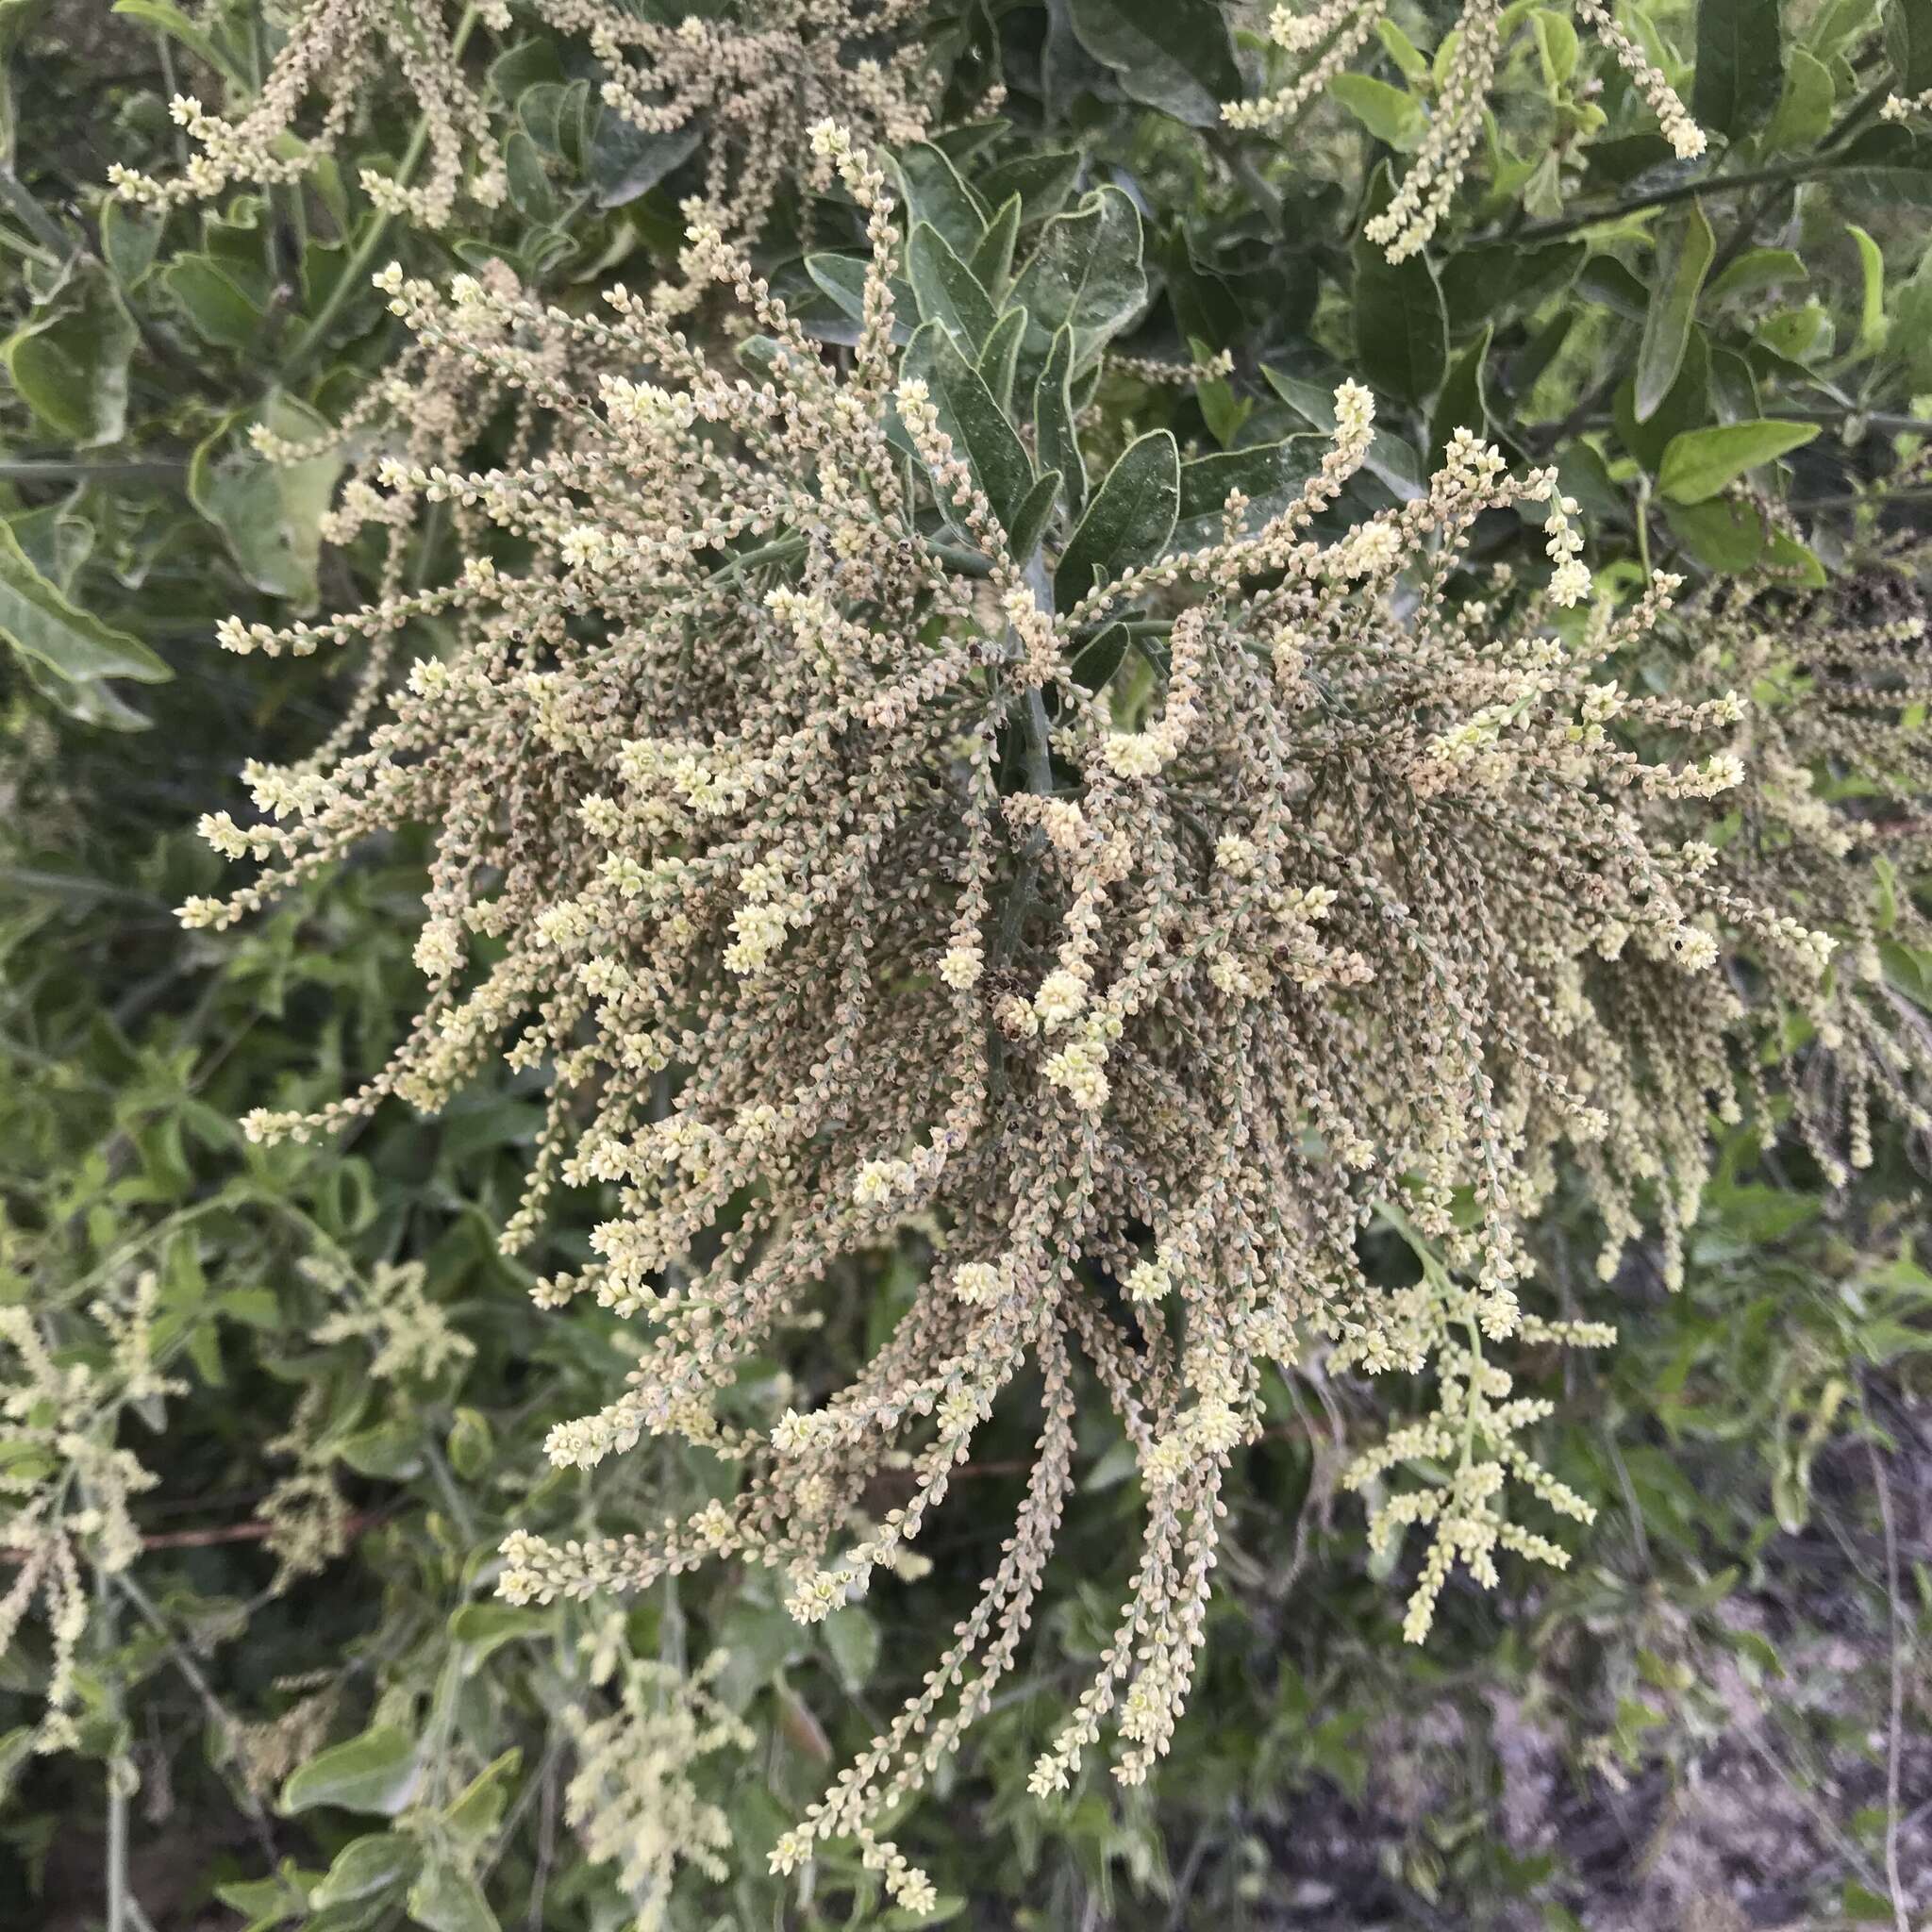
<point>1001,813</point>
<point>829,893</point>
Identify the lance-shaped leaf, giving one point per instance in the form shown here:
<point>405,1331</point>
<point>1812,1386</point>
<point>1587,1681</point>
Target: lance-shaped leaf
<point>1129,520</point>
<point>1739,64</point>
<point>1042,182</point>
<point>992,260</point>
<point>1000,356</point>
<point>1173,55</point>
<point>982,437</point>
<point>933,191</point>
<point>1682,261</point>
<point>1054,433</point>
<point>1699,463</point>
<point>375,1771</point>
<point>1462,404</point>
<point>842,277</point>
<point>946,289</point>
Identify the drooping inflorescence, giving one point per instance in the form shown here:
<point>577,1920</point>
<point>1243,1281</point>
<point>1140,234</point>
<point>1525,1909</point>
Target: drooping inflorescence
<point>744,85</point>
<point>1336,31</point>
<point>774,824</point>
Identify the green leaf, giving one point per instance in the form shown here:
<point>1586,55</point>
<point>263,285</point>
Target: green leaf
<point>446,1899</point>
<point>1270,475</point>
<point>1391,114</point>
<point>129,237</point>
<point>365,1867</point>
<point>1872,323</point>
<point>1402,50</point>
<point>842,277</point>
<point>1401,324</point>
<point>478,1809</point>
<point>1686,405</point>
<point>945,289</point>
<point>1129,520</point>
<point>375,1771</point>
<point>1834,25</point>
<point>1683,260</point>
<point>1094,662</point>
<point>1863,1907</point>
<point>1000,359</point>
<point>71,365</point>
<point>1085,275</point>
<point>1054,433</point>
<point>981,434</point>
<point>213,301</point>
<point>1555,47</point>
<point>1798,335</point>
<point>73,647</point>
<point>1606,282</point>
<point>390,1450</point>
<point>1757,268</point>
<point>1033,515</point>
<point>1461,403</point>
<point>1042,182</point>
<point>1739,64</point>
<point>1173,55</point>
<point>933,191</point>
<point>1804,109</point>
<point>625,162</point>
<point>1722,534</point>
<point>992,260</point>
<point>487,1627</point>
<point>269,513</point>
<point>530,191</point>
<point>469,1443</point>
<point>1909,46</point>
<point>1698,464</point>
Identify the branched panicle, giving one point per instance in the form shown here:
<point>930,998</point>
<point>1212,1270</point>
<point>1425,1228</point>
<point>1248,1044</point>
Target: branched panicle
<point>1334,32</point>
<point>771,823</point>
<point>748,83</point>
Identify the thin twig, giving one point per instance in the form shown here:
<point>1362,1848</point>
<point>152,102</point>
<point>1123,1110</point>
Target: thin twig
<point>253,1532</point>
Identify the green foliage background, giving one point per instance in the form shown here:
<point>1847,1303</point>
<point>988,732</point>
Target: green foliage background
<point>1728,358</point>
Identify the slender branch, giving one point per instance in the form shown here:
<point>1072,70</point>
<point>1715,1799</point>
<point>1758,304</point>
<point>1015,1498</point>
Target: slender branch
<point>1660,197</point>
<point>252,1532</point>
<point>1783,174</point>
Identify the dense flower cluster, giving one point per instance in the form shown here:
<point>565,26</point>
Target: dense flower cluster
<point>773,824</point>
<point>749,84</point>
<point>1335,31</point>
<point>341,50</point>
